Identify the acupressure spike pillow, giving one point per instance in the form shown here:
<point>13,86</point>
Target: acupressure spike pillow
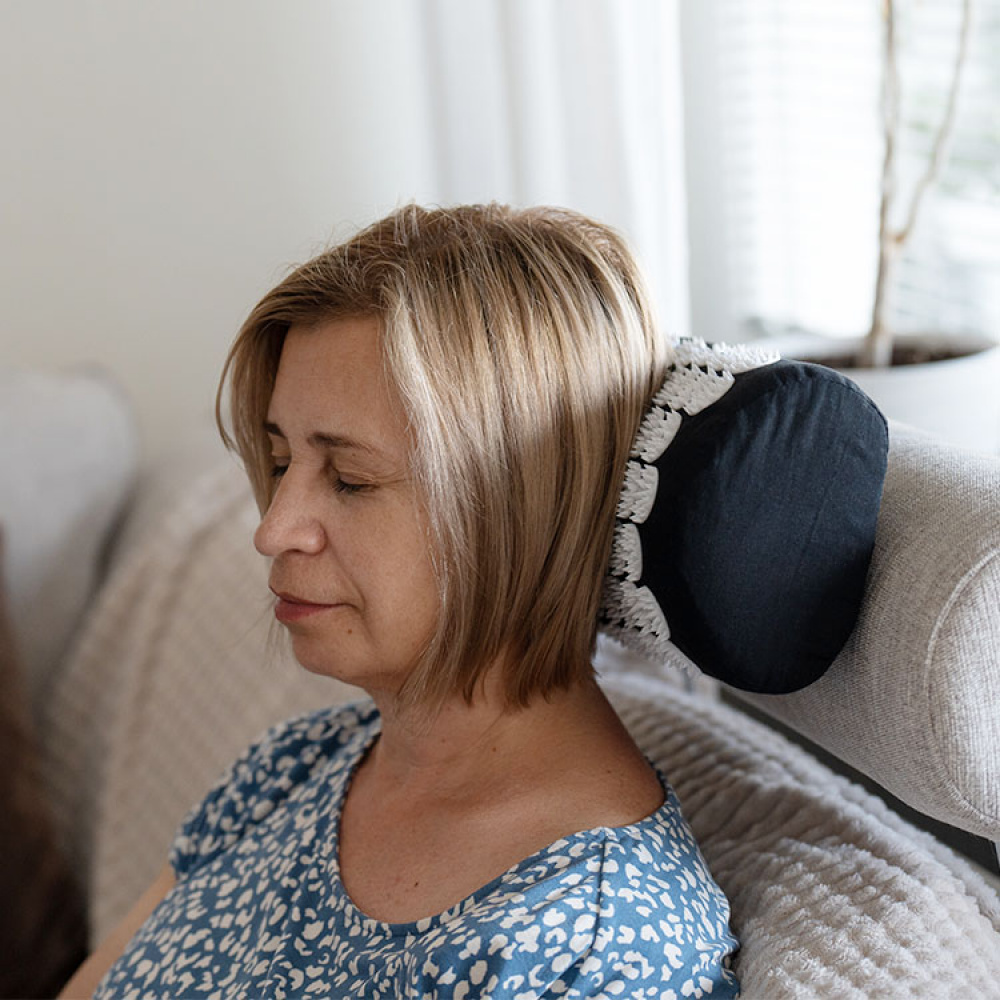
<point>747,519</point>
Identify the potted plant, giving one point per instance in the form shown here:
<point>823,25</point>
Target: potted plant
<point>945,382</point>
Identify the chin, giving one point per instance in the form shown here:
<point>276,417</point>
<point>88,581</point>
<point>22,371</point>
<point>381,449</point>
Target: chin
<point>356,670</point>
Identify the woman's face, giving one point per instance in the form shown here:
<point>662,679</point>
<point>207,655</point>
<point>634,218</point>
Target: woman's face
<point>345,530</point>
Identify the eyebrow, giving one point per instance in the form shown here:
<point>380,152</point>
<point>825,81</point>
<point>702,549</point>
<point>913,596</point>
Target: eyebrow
<point>320,439</point>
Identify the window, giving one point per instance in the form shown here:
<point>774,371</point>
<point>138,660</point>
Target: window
<point>784,151</point>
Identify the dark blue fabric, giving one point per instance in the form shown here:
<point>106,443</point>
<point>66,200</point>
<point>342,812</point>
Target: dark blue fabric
<point>759,543</point>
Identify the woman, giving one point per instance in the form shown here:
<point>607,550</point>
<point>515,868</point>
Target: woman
<point>435,418</point>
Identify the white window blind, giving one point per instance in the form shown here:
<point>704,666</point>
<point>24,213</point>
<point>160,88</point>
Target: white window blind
<point>784,151</point>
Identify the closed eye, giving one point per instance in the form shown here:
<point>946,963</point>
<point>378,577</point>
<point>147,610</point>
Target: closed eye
<point>339,485</point>
<point>342,486</point>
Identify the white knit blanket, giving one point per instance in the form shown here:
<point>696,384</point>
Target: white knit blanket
<point>832,894</point>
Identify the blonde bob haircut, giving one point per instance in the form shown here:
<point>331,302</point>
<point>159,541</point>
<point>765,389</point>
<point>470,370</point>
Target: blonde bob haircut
<point>523,348</point>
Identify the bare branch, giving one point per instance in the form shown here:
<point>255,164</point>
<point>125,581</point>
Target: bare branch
<point>877,347</point>
<point>937,157</point>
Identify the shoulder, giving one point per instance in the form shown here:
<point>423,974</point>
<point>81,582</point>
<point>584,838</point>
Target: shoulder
<point>265,774</point>
<point>658,904</point>
<point>659,918</point>
<point>629,910</point>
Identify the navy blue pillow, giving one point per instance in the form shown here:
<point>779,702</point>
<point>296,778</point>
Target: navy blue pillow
<point>759,542</point>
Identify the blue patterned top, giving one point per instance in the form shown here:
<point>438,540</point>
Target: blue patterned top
<point>259,909</point>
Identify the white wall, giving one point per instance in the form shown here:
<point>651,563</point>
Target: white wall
<point>163,163</point>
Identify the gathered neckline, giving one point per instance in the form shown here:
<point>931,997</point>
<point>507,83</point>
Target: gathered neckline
<point>370,729</point>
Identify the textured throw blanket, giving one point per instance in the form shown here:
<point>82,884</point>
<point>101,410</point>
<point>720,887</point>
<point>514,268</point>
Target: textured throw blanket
<point>833,895</point>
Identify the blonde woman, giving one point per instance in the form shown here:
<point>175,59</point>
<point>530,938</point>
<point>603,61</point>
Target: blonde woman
<point>435,418</point>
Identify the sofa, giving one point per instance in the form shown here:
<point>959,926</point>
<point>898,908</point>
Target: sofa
<point>166,664</point>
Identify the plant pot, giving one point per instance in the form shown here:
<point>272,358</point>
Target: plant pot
<point>956,397</point>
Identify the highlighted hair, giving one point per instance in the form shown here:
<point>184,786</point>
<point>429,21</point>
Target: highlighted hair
<point>523,348</point>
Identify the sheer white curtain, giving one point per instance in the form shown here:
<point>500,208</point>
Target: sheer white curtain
<point>566,102</point>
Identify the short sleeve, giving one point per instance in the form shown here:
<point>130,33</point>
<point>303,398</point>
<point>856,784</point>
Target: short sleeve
<point>661,928</point>
<point>259,780</point>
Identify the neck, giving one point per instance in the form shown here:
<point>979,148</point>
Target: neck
<point>465,748</point>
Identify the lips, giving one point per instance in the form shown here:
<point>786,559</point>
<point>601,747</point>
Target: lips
<point>292,608</point>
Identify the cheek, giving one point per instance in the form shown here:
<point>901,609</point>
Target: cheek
<point>390,565</point>
<point>408,591</point>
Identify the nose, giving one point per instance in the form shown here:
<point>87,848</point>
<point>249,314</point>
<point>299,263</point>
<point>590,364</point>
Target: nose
<point>289,524</point>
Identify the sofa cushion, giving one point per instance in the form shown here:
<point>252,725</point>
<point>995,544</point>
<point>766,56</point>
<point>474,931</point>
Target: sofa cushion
<point>69,451</point>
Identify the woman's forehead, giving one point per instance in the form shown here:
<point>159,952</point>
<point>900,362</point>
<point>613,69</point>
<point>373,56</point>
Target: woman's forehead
<point>331,389</point>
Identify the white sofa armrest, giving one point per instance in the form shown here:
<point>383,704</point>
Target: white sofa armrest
<point>913,700</point>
